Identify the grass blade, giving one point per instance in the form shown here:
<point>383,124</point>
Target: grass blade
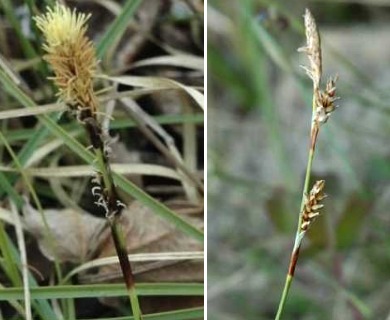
<point>104,290</point>
<point>117,28</point>
<point>184,314</point>
<point>87,156</point>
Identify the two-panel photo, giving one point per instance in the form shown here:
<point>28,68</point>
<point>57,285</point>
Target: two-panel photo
<point>194,159</point>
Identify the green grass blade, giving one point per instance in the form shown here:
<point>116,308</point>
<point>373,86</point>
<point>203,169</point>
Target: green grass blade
<point>184,314</point>
<point>36,136</point>
<point>9,265</point>
<point>117,27</point>
<point>126,185</point>
<point>272,47</point>
<point>23,134</point>
<point>10,253</point>
<point>11,17</point>
<point>104,290</point>
<point>6,186</point>
<point>157,207</point>
<point>39,133</point>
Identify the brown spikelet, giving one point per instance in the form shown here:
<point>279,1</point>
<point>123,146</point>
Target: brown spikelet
<point>313,204</point>
<point>312,49</point>
<point>326,101</point>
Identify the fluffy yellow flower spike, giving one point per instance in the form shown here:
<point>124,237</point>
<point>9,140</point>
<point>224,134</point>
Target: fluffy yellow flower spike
<point>61,25</point>
<point>71,55</point>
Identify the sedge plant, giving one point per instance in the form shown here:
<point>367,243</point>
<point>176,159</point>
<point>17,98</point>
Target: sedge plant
<point>323,104</point>
<point>72,56</point>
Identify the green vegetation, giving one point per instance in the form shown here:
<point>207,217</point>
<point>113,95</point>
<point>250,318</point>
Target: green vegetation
<point>157,122</point>
<point>260,110</point>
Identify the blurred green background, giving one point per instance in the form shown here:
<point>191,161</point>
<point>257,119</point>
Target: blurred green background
<point>259,113</point>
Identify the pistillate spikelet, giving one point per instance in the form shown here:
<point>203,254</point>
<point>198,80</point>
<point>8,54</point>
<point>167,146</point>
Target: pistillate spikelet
<point>71,55</point>
<point>326,101</point>
<point>313,204</point>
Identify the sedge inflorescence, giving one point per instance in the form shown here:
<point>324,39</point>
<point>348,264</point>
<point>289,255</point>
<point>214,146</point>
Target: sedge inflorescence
<point>324,100</point>
<point>312,49</point>
<point>313,204</point>
<point>71,55</point>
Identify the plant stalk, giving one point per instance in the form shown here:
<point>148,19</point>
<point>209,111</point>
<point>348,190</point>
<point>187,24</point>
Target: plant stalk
<point>114,209</point>
<point>298,235</point>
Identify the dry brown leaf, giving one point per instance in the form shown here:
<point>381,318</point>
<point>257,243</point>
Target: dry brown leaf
<point>146,232</point>
<point>76,236</point>
<point>72,232</point>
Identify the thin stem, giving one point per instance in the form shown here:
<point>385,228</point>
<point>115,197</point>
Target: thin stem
<point>120,246</point>
<point>135,304</point>
<point>299,235</point>
<point>283,299</point>
<point>112,204</point>
<point>103,170</point>
<point>113,213</point>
